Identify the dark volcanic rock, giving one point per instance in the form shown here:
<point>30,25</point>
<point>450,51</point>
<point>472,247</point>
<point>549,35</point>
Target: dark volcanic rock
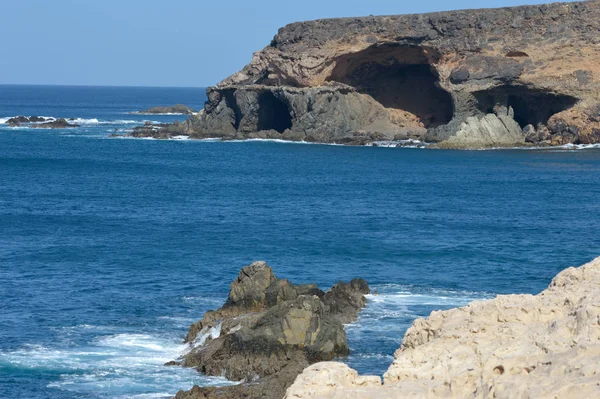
<point>17,120</point>
<point>39,122</point>
<point>37,119</point>
<point>268,331</point>
<point>57,124</point>
<point>173,109</point>
<point>363,80</point>
<point>157,131</point>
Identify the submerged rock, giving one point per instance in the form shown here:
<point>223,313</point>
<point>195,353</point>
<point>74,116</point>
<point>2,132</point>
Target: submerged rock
<point>268,331</point>
<point>542,346</point>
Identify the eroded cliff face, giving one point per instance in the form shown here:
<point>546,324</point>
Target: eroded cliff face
<point>514,346</point>
<point>463,78</point>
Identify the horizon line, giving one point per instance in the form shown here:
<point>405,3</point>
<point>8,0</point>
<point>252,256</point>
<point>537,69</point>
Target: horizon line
<point>95,85</point>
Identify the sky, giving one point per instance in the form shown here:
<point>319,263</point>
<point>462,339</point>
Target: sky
<point>179,43</point>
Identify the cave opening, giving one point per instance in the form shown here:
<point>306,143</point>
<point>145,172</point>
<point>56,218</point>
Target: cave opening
<point>399,77</point>
<point>273,113</point>
<point>531,106</point>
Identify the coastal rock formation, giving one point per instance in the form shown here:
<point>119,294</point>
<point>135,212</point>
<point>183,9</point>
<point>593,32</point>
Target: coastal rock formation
<point>177,109</point>
<point>39,122</point>
<point>437,77</point>
<point>525,346</point>
<point>268,331</point>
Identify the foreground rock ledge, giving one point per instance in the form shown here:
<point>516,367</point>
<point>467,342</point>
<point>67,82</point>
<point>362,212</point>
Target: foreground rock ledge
<point>514,346</point>
<point>464,79</point>
<point>268,331</point>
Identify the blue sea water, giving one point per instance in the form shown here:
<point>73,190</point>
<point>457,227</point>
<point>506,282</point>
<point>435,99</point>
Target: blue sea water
<point>110,248</point>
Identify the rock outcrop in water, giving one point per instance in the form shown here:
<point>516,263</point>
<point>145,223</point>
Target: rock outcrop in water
<point>441,77</point>
<point>268,331</point>
<point>177,109</point>
<point>525,346</point>
<point>39,122</point>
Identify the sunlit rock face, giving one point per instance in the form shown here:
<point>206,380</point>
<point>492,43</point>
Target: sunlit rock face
<point>359,80</point>
<point>514,346</point>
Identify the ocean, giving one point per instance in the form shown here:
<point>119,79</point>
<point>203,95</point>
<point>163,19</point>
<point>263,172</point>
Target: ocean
<point>110,248</point>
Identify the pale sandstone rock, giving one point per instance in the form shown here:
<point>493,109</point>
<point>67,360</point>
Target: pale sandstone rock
<point>514,346</point>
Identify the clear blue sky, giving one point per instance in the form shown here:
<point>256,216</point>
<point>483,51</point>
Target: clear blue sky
<point>163,43</point>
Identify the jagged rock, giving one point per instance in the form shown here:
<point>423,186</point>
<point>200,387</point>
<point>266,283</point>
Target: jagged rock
<point>488,131</point>
<point>17,120</point>
<point>268,330</point>
<point>542,346</point>
<point>370,79</point>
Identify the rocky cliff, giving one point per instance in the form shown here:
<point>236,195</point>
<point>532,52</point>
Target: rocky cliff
<point>525,346</point>
<point>474,78</point>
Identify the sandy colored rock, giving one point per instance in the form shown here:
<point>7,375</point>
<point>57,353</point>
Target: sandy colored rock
<point>525,346</point>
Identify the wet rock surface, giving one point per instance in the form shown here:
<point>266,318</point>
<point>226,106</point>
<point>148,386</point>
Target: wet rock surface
<point>364,80</point>
<point>268,331</point>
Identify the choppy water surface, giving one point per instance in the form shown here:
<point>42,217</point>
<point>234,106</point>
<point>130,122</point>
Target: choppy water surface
<point>110,248</point>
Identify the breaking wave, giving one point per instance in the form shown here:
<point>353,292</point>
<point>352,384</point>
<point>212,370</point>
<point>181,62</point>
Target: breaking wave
<point>112,366</point>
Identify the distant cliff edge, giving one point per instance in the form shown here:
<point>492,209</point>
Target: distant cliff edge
<point>462,79</point>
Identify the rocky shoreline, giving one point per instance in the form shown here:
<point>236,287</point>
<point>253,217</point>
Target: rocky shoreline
<point>268,331</point>
<point>542,346</point>
<point>506,77</point>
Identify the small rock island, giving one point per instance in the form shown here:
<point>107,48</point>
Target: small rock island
<point>177,109</point>
<point>40,122</point>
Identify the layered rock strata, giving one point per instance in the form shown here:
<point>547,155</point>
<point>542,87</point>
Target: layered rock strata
<point>439,77</point>
<point>525,346</point>
<point>268,331</point>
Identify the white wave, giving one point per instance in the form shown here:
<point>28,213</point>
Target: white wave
<point>207,333</point>
<point>82,121</point>
<point>110,366</point>
<point>409,143</point>
<point>139,341</point>
<point>180,138</point>
<point>396,306</point>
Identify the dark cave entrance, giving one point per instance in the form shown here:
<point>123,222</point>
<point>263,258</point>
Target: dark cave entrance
<point>398,77</point>
<point>273,113</point>
<point>531,106</point>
